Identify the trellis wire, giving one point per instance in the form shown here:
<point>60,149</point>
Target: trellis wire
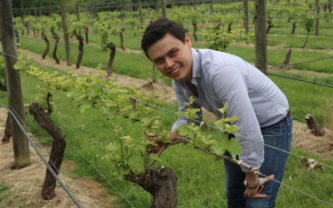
<point>215,127</point>
<point>300,191</point>
<point>97,170</point>
<point>23,129</point>
<point>157,107</point>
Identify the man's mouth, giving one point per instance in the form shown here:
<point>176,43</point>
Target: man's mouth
<point>175,72</point>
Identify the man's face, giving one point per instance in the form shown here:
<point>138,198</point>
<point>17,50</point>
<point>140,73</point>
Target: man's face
<point>172,57</point>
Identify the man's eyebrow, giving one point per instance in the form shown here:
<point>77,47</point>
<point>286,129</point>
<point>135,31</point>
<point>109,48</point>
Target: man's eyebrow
<point>158,59</point>
<point>172,50</point>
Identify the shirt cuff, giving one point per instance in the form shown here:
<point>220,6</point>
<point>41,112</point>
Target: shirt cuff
<point>181,121</point>
<point>253,154</point>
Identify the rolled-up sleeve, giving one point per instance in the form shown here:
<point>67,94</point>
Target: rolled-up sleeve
<point>230,87</point>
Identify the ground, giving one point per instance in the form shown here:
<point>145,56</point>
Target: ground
<point>25,184</point>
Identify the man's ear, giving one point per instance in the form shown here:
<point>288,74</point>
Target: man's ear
<point>188,40</point>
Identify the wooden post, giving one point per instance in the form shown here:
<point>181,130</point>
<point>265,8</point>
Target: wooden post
<point>211,8</point>
<point>14,91</point>
<point>317,17</point>
<point>66,35</point>
<point>140,12</point>
<point>163,6</point>
<point>77,11</point>
<point>246,16</point>
<point>260,35</point>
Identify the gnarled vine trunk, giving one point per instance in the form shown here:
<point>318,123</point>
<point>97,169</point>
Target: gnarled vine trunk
<point>8,129</point>
<point>56,43</point>
<point>286,61</point>
<point>293,29</point>
<point>122,30</point>
<point>269,25</point>
<point>17,38</point>
<point>81,45</point>
<point>229,27</point>
<point>7,132</point>
<point>47,42</point>
<point>195,29</point>
<point>161,184</point>
<point>86,33</point>
<point>112,47</point>
<point>57,151</point>
<point>306,39</point>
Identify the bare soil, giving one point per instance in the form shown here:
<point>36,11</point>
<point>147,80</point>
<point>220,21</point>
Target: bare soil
<point>25,184</point>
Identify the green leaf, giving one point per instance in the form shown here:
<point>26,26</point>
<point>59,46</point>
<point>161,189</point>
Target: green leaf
<point>154,157</point>
<point>84,107</point>
<point>234,118</point>
<point>233,147</point>
<point>207,140</point>
<point>113,147</point>
<point>231,128</point>
<point>218,148</point>
<point>185,131</point>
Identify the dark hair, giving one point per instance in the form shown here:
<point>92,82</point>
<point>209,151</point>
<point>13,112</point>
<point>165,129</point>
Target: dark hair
<point>157,29</point>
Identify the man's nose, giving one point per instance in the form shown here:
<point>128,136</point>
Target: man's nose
<point>168,62</point>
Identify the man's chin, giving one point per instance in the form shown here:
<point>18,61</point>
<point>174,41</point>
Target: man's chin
<point>178,78</point>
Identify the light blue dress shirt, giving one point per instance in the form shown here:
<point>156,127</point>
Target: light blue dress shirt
<point>224,78</point>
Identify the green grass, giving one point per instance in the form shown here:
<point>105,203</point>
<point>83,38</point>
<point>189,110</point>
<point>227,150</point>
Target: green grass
<point>3,191</point>
<point>295,91</point>
<point>307,98</point>
<point>138,66</point>
<point>130,64</point>
<point>276,57</point>
<point>297,41</point>
<point>200,178</point>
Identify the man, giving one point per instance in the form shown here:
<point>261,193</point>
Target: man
<point>215,78</point>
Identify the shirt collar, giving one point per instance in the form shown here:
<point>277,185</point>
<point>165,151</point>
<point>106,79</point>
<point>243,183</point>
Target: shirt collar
<point>196,72</point>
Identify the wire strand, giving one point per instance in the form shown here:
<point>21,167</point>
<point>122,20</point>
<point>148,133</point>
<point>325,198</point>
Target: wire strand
<point>255,140</point>
<point>215,127</point>
<point>23,129</point>
<point>97,170</point>
<point>304,62</point>
<point>301,80</point>
<point>300,191</point>
<point>103,176</point>
<point>194,120</point>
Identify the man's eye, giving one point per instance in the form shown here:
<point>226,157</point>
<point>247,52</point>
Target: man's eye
<point>173,53</point>
<point>158,61</point>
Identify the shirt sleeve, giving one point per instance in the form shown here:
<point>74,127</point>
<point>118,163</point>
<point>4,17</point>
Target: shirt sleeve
<point>181,99</point>
<point>229,84</point>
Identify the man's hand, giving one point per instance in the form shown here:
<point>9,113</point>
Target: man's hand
<point>174,134</point>
<point>257,192</point>
<point>157,147</point>
<point>176,138</point>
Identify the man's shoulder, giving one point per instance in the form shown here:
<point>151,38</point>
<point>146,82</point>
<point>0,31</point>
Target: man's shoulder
<point>213,62</point>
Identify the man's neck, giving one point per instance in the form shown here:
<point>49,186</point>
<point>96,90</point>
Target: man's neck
<point>192,87</point>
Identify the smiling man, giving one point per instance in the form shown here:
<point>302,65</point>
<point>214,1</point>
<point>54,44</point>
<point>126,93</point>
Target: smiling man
<point>215,78</point>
